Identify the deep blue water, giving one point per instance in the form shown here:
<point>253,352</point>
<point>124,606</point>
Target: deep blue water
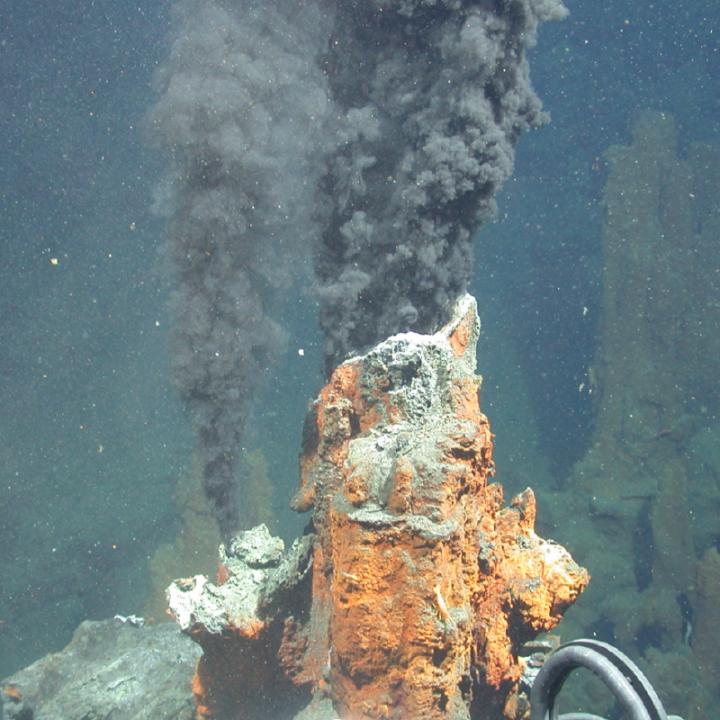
<point>93,435</point>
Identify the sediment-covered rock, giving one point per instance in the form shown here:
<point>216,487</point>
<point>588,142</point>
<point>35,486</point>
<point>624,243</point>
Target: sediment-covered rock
<point>116,669</point>
<point>416,589</point>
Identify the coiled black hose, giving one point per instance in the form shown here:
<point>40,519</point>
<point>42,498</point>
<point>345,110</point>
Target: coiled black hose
<point>631,688</point>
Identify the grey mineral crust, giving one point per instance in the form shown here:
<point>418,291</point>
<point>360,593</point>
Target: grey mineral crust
<point>260,570</point>
<point>110,669</point>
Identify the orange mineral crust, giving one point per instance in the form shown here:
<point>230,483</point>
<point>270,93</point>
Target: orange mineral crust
<point>421,588</point>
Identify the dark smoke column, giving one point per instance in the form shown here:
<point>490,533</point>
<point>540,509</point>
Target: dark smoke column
<point>374,132</point>
<point>433,95</point>
<point>240,110</point>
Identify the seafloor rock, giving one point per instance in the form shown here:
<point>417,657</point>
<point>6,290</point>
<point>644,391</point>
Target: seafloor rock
<point>111,669</point>
<point>416,589</point>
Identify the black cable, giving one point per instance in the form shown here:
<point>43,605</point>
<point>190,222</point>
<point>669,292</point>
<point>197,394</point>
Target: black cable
<point>624,679</point>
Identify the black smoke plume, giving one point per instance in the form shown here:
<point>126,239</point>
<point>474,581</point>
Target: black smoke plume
<point>241,108</point>
<point>433,95</point>
<point>368,136</point>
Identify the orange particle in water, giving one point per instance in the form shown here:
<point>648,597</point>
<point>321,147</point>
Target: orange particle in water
<point>13,692</point>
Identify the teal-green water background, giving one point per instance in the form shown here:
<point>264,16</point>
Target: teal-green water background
<point>93,437</point>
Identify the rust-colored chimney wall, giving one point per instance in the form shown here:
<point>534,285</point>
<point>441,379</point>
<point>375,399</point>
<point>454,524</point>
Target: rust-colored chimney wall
<point>423,587</point>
